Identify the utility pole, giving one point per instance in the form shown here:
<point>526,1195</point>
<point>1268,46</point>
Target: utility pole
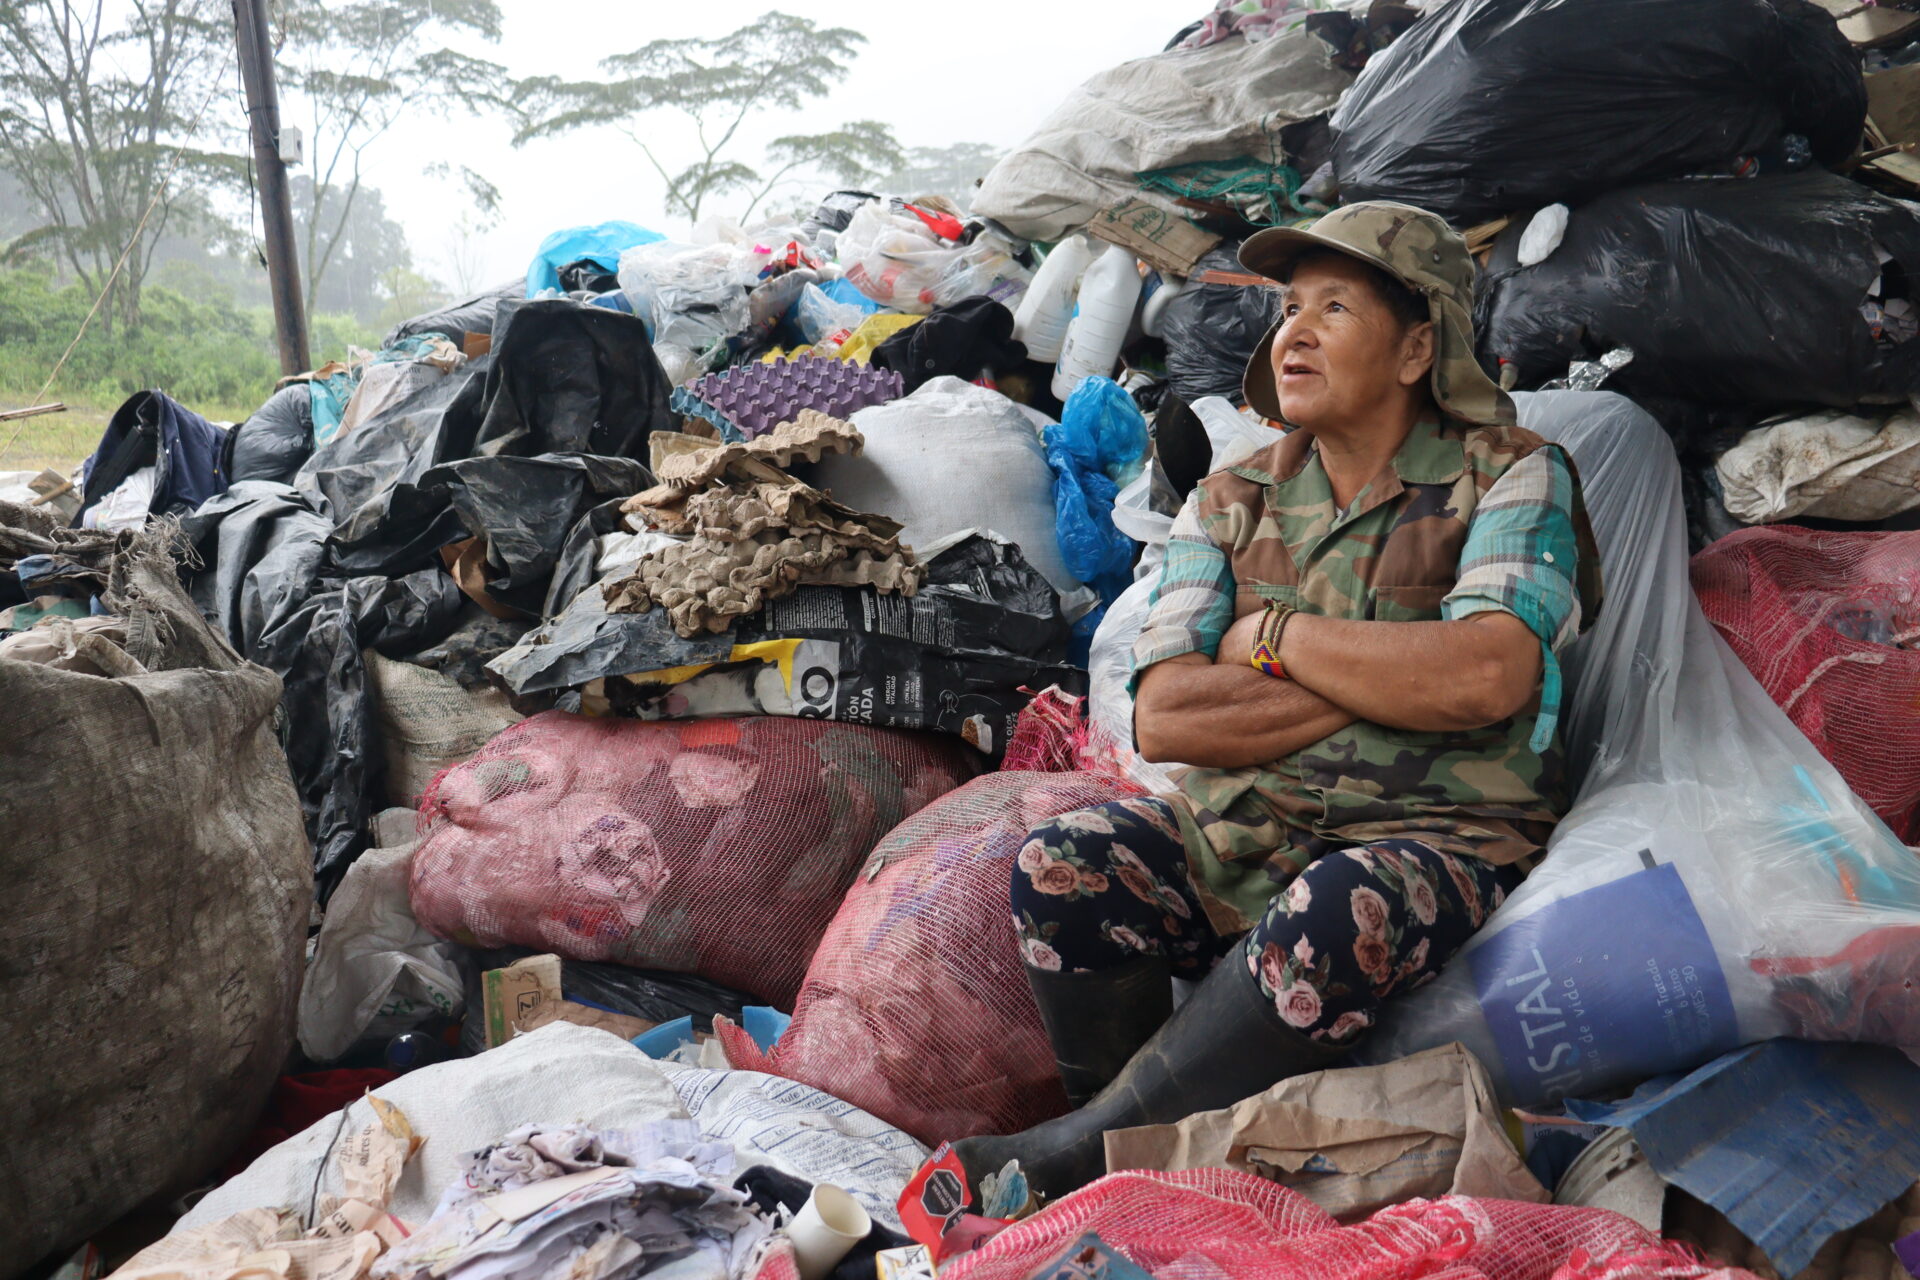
<point>276,204</point>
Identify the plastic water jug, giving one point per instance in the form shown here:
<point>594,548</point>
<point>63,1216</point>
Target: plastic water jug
<point>1107,298</point>
<point>1047,306</point>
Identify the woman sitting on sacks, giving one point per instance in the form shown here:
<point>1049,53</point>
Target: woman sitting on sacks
<point>1353,642</point>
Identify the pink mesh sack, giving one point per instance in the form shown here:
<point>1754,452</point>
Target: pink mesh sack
<point>1829,624</point>
<point>717,847</point>
<point>915,1008</point>
<point>1212,1224</point>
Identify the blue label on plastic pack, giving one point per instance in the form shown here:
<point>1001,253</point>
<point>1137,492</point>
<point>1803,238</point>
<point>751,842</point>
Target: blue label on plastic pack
<point>1611,984</point>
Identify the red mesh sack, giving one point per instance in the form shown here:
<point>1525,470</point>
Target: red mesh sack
<point>1829,624</point>
<point>716,847</point>
<point>1209,1224</point>
<point>915,1008</point>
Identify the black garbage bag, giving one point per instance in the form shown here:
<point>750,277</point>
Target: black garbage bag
<point>564,378</point>
<point>523,507</point>
<point>266,582</point>
<point>1487,106</point>
<point>473,314</point>
<point>1212,327</point>
<point>961,340</point>
<point>1727,291</point>
<point>274,442</point>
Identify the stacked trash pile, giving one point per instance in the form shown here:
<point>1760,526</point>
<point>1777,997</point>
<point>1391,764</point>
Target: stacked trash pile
<point>674,648</point>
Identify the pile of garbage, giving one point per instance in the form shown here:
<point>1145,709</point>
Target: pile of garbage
<point>538,798</point>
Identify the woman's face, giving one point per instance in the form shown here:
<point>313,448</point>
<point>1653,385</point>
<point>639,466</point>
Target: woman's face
<point>1342,358</point>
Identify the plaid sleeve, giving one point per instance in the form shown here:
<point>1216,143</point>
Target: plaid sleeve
<point>1521,557</point>
<point>1192,602</point>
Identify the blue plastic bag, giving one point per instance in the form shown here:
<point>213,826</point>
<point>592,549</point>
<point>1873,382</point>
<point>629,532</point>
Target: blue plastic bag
<point>602,244</point>
<point>1099,444</point>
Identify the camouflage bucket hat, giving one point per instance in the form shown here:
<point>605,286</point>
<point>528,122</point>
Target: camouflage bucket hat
<point>1419,250</point>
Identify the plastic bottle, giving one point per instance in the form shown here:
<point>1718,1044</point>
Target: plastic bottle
<point>1158,291</point>
<point>1047,306</point>
<point>1107,298</point>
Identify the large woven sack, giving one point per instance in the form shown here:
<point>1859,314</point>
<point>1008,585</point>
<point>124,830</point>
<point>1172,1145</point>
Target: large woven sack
<point>717,847</point>
<point>916,1008</point>
<point>158,887</point>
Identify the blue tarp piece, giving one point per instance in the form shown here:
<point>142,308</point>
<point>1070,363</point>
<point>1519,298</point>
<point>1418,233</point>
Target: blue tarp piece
<point>603,244</point>
<point>1794,1141</point>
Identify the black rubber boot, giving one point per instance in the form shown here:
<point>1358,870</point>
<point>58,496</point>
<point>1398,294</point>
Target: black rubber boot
<point>1098,1020</point>
<point>1225,1043</point>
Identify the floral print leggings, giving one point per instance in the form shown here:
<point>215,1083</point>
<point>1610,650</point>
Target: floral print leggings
<point>1100,886</point>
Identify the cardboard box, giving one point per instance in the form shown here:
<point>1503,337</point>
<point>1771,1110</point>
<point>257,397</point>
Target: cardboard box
<point>512,993</point>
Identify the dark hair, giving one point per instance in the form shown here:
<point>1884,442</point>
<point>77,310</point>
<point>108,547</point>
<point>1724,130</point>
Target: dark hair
<point>1403,304</point>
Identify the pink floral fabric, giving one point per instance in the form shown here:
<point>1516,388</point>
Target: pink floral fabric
<point>1100,886</point>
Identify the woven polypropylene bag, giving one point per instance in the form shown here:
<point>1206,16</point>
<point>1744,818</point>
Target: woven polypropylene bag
<point>1207,1224</point>
<point>916,1008</point>
<point>158,887</point>
<point>1829,624</point>
<point>717,847</point>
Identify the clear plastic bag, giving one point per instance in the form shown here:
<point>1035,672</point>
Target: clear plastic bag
<point>690,297</point>
<point>893,258</point>
<point>985,268</point>
<point>1715,883</point>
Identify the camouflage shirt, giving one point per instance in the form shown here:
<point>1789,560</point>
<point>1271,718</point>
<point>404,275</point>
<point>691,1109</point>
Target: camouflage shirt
<point>1467,518</point>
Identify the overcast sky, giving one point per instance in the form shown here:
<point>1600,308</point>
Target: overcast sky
<point>984,71</point>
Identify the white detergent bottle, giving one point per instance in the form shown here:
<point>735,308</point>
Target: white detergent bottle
<point>1107,298</point>
<point>1047,306</point>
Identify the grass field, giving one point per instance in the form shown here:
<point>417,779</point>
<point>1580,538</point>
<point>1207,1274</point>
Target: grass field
<point>58,440</point>
<point>65,440</point>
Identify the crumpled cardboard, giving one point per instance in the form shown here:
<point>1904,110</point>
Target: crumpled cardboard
<point>1353,1139</point>
<point>755,533</point>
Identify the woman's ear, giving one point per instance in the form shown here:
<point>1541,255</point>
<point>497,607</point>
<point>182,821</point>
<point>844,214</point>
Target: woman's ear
<point>1417,354</point>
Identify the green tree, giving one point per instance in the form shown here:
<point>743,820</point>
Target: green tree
<point>353,69</point>
<point>366,245</point>
<point>104,121</point>
<point>778,63</point>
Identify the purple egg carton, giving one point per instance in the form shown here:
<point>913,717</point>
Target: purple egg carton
<point>756,398</point>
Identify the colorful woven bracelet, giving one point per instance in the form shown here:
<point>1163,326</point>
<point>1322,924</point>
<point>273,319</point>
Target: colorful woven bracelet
<point>1266,645</point>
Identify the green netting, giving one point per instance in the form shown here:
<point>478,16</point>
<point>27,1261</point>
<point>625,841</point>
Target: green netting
<point>1268,192</point>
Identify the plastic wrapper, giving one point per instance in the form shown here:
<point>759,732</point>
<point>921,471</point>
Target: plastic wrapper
<point>984,269</point>
<point>1487,107</point>
<point>1727,291</point>
<point>600,246</point>
<point>690,297</point>
<point>1097,446</point>
<point>375,972</point>
<point>1715,883</point>
<point>894,259</point>
<point>821,319</point>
